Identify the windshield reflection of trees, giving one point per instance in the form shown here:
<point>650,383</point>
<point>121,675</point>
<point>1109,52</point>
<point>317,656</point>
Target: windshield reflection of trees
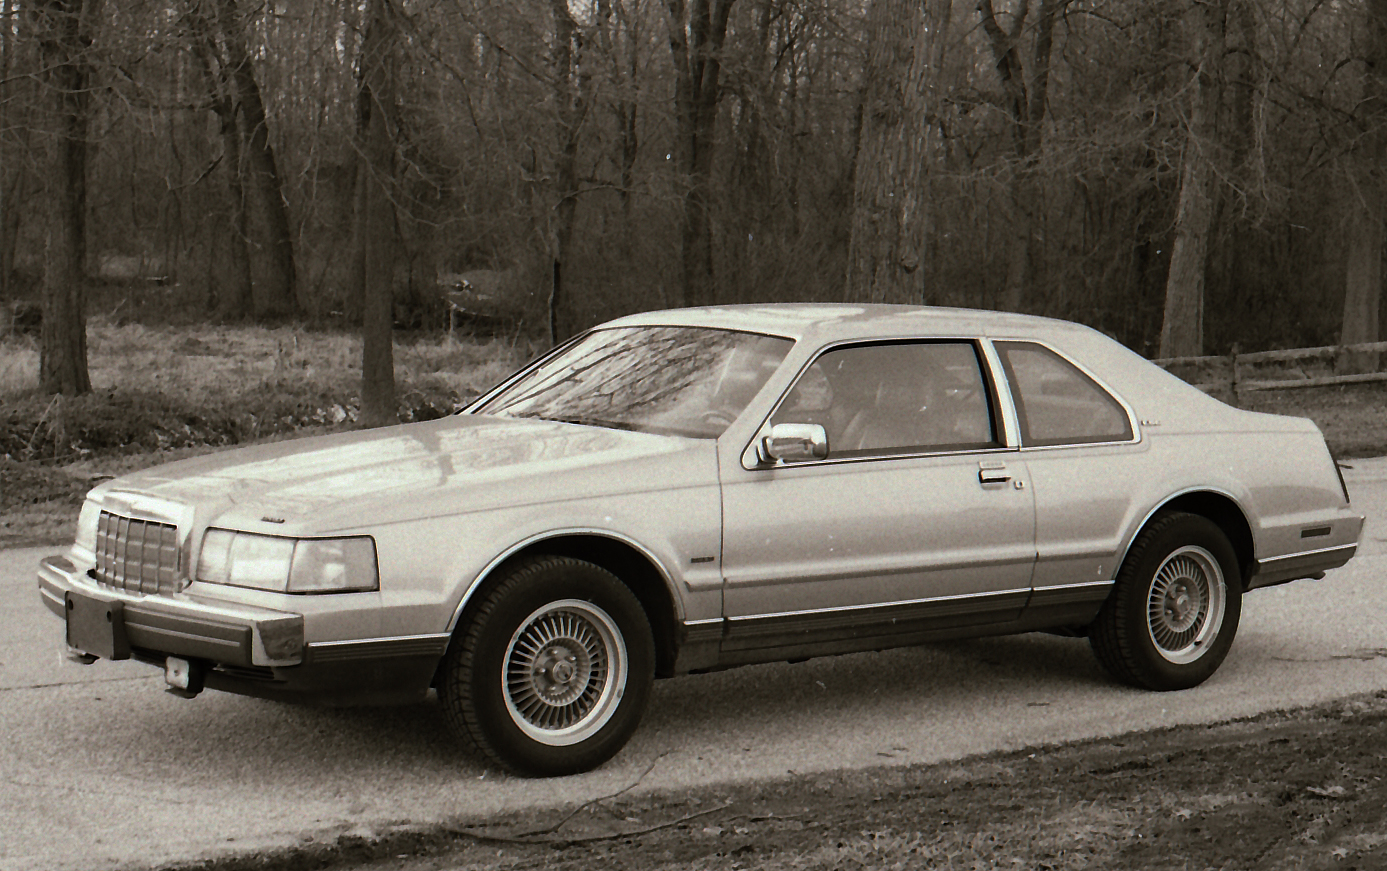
<point>675,380</point>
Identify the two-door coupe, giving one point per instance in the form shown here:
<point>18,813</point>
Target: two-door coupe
<point>690,490</point>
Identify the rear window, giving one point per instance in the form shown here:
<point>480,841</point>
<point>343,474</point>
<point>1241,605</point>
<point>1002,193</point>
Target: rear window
<point>1056,403</point>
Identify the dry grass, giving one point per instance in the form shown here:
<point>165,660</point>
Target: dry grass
<point>157,388</point>
<point>217,360</point>
<point>160,393</point>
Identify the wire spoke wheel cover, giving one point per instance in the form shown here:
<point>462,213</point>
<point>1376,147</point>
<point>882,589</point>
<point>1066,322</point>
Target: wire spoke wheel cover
<point>564,672</point>
<point>1186,603</point>
<point>550,672</point>
<point>1174,608</point>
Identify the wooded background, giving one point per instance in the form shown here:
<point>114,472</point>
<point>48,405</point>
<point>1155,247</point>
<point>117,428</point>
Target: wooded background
<point>1181,174</point>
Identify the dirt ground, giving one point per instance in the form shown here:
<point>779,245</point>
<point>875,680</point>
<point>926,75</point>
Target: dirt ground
<point>1302,790</point>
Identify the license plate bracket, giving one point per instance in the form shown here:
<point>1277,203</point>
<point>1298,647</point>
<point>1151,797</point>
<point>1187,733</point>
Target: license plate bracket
<point>97,626</point>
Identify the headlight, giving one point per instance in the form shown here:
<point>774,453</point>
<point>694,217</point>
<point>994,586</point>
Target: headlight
<point>288,565</point>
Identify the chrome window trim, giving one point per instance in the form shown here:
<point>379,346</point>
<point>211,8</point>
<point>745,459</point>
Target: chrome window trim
<point>1006,403</point>
<point>1102,385</point>
<point>866,458</point>
<point>529,367</point>
<point>996,396</point>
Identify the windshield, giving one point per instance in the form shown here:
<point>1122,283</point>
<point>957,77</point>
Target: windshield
<point>688,381</point>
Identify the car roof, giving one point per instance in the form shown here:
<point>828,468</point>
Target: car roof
<point>1152,392</point>
<point>830,321</point>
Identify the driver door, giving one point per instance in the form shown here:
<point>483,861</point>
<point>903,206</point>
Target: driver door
<point>918,518</point>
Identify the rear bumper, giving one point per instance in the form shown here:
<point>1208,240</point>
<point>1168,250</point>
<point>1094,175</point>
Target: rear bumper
<point>244,650</point>
<point>1307,564</point>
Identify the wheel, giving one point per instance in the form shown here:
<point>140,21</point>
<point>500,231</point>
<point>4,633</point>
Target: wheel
<point>552,673</point>
<point>1174,609</point>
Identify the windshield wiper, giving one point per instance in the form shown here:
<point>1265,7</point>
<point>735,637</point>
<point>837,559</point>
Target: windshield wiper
<point>592,421</point>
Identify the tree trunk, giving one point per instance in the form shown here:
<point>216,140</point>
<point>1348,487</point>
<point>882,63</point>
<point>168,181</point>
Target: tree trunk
<point>1363,286</point>
<point>569,98</point>
<point>1228,288</point>
<point>1367,201</point>
<point>376,218</point>
<point>1026,105</point>
<point>890,211</point>
<point>279,292</point>
<point>12,192</point>
<point>11,173</point>
<point>66,26</point>
<point>696,34</point>
<point>1182,325</point>
<point>238,302</point>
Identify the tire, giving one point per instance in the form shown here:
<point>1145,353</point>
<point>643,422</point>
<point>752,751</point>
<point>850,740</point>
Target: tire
<point>1171,617</point>
<point>551,674</point>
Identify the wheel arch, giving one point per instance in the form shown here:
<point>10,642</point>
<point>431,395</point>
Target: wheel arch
<point>634,566</point>
<point>1223,511</point>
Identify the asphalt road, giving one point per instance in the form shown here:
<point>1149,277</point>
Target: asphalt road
<point>102,769</point>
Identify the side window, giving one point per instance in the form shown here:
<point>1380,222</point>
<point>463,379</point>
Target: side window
<point>1056,403</point>
<point>894,398</point>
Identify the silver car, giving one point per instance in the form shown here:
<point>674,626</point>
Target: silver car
<point>690,490</point>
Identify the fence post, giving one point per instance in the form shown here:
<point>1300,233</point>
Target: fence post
<point>1233,369</point>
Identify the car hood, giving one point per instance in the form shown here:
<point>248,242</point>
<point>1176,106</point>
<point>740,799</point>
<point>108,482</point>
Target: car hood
<point>454,465</point>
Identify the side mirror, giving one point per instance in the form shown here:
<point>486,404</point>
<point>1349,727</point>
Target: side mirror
<point>793,443</point>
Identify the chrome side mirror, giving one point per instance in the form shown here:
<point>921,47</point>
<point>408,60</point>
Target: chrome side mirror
<point>793,443</point>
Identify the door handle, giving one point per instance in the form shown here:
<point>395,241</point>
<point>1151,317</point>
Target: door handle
<point>993,472</point>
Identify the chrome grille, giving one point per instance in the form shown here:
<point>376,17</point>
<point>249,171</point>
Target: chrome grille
<point>138,556</point>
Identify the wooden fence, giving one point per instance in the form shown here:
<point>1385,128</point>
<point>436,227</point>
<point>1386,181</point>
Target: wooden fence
<point>1229,372</point>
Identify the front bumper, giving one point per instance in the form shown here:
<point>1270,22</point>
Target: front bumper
<point>235,635</point>
<point>243,649</point>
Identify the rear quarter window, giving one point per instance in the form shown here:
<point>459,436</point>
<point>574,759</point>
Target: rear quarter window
<point>1056,402</point>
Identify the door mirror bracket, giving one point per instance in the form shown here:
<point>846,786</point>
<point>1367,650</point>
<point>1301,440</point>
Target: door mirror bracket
<point>792,443</point>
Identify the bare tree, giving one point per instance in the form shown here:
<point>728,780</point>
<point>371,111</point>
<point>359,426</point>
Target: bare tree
<point>239,301</point>
<point>377,124</point>
<point>12,172</point>
<point>618,36</point>
<point>1365,167</point>
<point>1182,327</point>
<point>571,99</point>
<point>905,45</point>
<point>65,32</point>
<point>1026,102</point>
<point>279,290</point>
<point>697,32</point>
